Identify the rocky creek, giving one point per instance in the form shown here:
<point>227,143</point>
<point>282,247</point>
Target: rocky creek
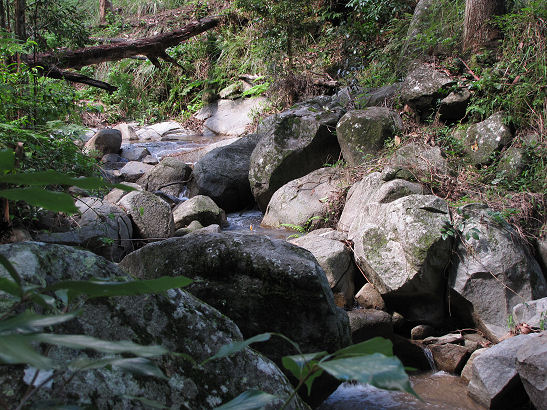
<point>216,209</point>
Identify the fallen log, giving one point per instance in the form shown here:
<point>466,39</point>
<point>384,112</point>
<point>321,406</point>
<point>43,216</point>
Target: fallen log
<point>52,63</point>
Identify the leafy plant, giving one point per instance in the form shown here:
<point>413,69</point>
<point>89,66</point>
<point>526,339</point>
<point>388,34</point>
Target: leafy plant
<point>370,362</point>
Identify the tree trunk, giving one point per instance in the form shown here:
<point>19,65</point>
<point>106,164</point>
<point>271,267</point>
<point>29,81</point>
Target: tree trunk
<point>479,31</point>
<point>2,16</point>
<point>19,12</point>
<point>104,6</point>
<point>52,63</point>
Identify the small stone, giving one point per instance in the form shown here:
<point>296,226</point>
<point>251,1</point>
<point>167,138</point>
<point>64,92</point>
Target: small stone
<point>421,332</point>
<point>449,357</point>
<point>369,298</point>
<point>398,320</point>
<point>368,323</point>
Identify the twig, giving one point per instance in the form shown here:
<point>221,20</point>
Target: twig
<point>470,71</point>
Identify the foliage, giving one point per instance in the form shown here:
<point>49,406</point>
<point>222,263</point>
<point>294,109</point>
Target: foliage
<point>516,82</point>
<point>57,23</point>
<point>279,35</point>
<point>370,362</point>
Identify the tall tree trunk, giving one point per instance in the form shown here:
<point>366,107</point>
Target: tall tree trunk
<point>2,16</point>
<point>20,29</point>
<point>479,30</point>
<point>104,6</point>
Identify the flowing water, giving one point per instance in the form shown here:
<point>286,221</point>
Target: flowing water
<point>438,390</point>
<point>249,221</point>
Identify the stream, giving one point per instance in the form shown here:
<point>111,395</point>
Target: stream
<point>437,389</point>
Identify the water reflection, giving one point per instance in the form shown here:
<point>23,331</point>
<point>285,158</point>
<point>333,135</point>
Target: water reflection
<point>438,390</point>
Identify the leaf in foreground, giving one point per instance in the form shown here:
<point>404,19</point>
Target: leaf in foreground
<point>249,400</point>
<point>235,347</point>
<point>374,345</point>
<point>28,322</point>
<point>95,289</point>
<point>99,345</point>
<point>54,201</point>
<point>135,365</point>
<point>17,349</point>
<point>376,369</point>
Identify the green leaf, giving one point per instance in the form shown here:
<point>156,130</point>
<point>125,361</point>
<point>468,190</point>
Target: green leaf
<point>9,286</point>
<point>135,365</point>
<point>249,400</point>
<point>54,201</point>
<point>375,369</point>
<point>7,160</point>
<point>104,346</point>
<point>50,177</point>
<point>235,347</point>
<point>17,349</point>
<point>153,404</point>
<point>11,270</point>
<point>95,289</point>
<point>28,322</point>
<point>374,345</point>
<point>303,367</point>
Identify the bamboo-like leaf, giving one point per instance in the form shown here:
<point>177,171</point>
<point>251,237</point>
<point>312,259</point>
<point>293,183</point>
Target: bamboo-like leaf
<point>95,289</point>
<point>153,404</point>
<point>104,346</point>
<point>249,400</point>
<point>28,322</point>
<point>7,160</point>
<point>54,201</point>
<point>376,369</point>
<point>374,345</point>
<point>10,286</point>
<point>135,365</point>
<point>51,177</point>
<point>17,349</point>
<point>11,270</point>
<point>236,347</point>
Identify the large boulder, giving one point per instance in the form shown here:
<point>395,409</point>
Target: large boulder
<point>105,141</point>
<point>377,97</point>
<point>336,259</point>
<point>306,201</point>
<point>150,214</point>
<point>491,274</point>
<point>362,133</point>
<point>422,87</point>
<point>482,141</point>
<point>169,176</point>
<point>532,369</point>
<point>398,243</point>
<point>293,143</point>
<point>231,117</point>
<point>262,284</point>
<point>420,160</point>
<point>199,208</point>
<point>223,175</point>
<point>101,227</point>
<point>495,382</point>
<point>176,320</point>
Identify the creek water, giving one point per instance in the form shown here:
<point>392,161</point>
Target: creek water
<point>437,390</point>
